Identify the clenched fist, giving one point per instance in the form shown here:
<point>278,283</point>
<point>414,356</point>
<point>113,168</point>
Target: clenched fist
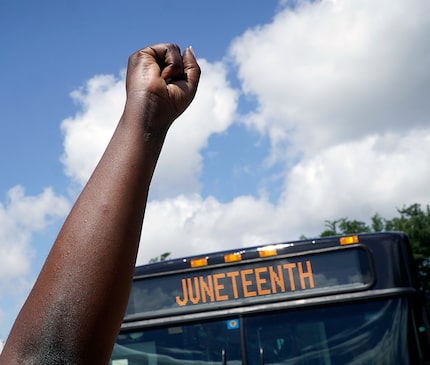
<point>161,82</point>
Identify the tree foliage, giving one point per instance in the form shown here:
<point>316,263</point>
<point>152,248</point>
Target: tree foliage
<point>413,220</point>
<point>163,257</point>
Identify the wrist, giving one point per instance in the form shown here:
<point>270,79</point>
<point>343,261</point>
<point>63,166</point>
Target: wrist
<point>150,111</point>
<point>147,129</point>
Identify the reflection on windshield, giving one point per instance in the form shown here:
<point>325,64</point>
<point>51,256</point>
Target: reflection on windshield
<point>361,334</point>
<point>205,344</point>
<point>373,333</point>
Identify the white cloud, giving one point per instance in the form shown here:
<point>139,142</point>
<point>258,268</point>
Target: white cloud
<point>86,135</point>
<point>342,89</point>
<point>190,224</point>
<point>212,111</point>
<point>330,71</point>
<point>22,216</point>
<point>101,102</point>
<point>375,174</point>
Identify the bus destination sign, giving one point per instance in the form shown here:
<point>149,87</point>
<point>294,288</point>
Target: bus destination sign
<point>285,277</point>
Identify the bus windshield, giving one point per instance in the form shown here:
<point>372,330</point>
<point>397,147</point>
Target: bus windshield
<point>367,333</point>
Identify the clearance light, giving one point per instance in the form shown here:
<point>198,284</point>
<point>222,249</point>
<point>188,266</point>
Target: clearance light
<point>348,240</point>
<point>232,257</point>
<point>267,251</point>
<point>199,262</point>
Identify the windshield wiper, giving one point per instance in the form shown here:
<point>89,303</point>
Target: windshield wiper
<point>223,357</point>
<point>261,356</point>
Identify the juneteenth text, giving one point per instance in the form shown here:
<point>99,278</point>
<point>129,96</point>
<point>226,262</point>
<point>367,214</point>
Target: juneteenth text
<point>245,283</point>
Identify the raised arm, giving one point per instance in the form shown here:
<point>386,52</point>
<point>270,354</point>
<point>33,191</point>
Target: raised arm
<point>75,309</point>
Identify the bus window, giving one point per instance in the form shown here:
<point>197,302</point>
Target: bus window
<point>373,333</point>
<point>210,343</point>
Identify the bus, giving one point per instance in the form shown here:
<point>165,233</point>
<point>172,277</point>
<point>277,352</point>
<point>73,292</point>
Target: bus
<point>328,301</point>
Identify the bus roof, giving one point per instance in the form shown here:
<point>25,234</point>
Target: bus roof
<point>267,250</point>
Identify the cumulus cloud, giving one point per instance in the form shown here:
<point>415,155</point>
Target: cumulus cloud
<point>337,70</point>
<point>212,111</point>
<point>340,89</point>
<point>101,103</point>
<point>355,180</point>
<point>22,216</point>
<point>190,224</point>
<point>86,134</point>
<point>375,174</point>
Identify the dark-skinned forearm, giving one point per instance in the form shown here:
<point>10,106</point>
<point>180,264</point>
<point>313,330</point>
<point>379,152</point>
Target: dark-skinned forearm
<point>74,311</point>
<point>101,233</point>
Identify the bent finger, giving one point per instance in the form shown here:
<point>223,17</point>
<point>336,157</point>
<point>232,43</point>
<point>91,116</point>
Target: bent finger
<point>191,69</point>
<point>169,59</point>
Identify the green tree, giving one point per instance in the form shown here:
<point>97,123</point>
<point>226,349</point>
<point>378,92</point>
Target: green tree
<point>344,226</point>
<point>413,220</point>
<point>163,257</point>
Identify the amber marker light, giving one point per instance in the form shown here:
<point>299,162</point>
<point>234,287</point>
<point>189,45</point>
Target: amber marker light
<point>232,257</point>
<point>199,262</point>
<point>267,251</point>
<point>348,240</point>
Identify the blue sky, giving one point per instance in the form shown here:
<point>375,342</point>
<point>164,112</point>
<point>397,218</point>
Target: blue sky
<point>303,114</point>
